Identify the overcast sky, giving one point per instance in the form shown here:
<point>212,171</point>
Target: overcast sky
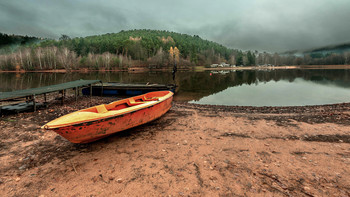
<point>271,25</point>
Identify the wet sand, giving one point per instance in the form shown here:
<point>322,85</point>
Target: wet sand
<point>193,150</point>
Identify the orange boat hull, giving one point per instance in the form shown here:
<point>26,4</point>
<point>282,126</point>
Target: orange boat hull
<point>93,130</point>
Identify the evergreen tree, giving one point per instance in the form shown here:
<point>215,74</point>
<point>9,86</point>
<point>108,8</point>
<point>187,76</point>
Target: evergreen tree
<point>251,59</point>
<point>239,59</point>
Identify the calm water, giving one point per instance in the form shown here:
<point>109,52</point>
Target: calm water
<point>244,88</point>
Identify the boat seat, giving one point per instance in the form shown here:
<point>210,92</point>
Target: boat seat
<point>132,102</point>
<point>101,108</point>
<point>150,99</point>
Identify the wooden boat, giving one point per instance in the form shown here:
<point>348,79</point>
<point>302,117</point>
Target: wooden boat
<point>97,122</point>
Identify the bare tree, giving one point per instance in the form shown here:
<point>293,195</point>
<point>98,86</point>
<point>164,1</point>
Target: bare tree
<point>20,58</point>
<point>29,61</point>
<point>347,58</point>
<point>39,55</point>
<point>107,60</point>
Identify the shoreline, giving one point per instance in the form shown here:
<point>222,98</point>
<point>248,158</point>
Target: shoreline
<point>196,150</point>
<point>196,68</point>
<point>282,67</point>
<point>255,68</point>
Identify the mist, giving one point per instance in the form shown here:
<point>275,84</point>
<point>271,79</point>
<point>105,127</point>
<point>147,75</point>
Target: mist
<point>264,25</point>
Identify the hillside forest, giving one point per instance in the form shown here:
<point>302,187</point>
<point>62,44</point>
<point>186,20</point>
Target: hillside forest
<point>140,48</point>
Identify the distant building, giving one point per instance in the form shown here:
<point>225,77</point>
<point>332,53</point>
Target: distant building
<point>223,64</point>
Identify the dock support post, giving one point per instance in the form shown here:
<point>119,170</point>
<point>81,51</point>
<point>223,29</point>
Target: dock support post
<point>101,89</point>
<point>45,101</point>
<point>90,92</point>
<point>63,96</point>
<point>76,94</point>
<point>34,103</point>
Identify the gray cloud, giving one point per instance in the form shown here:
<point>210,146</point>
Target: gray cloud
<point>270,25</point>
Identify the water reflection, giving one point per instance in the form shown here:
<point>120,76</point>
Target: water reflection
<point>282,93</point>
<point>13,81</point>
<point>226,88</point>
<point>208,83</point>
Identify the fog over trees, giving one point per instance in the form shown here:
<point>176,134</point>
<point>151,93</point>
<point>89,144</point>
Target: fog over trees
<point>142,48</point>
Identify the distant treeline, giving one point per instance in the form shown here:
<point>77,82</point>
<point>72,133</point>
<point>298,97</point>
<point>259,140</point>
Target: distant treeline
<point>143,48</point>
<point>305,59</point>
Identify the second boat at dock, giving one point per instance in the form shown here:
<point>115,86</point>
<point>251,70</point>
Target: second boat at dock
<point>116,89</point>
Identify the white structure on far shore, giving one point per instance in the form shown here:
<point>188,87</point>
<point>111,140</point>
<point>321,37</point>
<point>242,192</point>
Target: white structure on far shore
<point>222,65</point>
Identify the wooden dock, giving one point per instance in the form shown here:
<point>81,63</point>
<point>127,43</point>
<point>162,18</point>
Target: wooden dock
<point>29,95</point>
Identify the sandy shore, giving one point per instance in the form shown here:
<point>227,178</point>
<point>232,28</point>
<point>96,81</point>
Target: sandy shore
<point>193,150</point>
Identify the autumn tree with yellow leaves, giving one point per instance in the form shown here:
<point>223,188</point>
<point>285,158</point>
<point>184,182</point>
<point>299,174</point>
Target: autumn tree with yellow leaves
<point>174,55</point>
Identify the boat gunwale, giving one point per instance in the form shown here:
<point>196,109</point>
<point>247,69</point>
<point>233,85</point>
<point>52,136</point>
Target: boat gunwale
<point>133,109</point>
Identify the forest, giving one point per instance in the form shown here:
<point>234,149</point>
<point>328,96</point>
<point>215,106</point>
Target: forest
<point>140,48</point>
<point>8,43</point>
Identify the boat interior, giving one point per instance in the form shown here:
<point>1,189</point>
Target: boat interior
<point>126,103</point>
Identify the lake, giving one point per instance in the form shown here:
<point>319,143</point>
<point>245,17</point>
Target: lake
<point>243,88</point>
